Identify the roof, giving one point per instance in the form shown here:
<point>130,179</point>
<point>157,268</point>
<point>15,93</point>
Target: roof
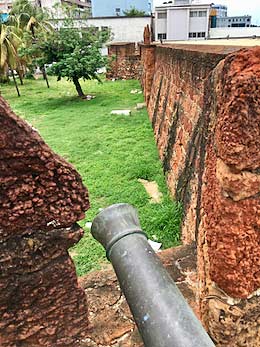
<point>120,17</point>
<point>163,6</point>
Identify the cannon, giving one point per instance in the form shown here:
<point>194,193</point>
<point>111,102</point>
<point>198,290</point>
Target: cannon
<point>163,317</point>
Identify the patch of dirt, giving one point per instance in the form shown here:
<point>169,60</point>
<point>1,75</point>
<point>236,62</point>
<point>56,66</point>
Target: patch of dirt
<point>112,324</point>
<point>152,190</point>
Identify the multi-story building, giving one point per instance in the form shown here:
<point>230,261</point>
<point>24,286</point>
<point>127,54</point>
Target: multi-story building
<point>220,19</point>
<point>220,10</point>
<point>107,8</point>
<point>182,20</point>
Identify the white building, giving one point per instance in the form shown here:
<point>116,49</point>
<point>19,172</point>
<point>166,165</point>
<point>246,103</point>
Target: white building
<point>123,29</point>
<point>234,22</point>
<point>6,5</point>
<point>182,20</point>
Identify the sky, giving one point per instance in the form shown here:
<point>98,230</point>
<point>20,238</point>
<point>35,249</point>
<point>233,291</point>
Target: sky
<point>235,7</point>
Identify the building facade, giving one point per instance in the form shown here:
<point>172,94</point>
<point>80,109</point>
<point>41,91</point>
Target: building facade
<point>108,8</point>
<point>182,20</point>
<point>234,22</point>
<point>220,10</point>
<point>5,6</point>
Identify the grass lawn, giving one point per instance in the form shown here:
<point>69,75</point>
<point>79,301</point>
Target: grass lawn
<point>110,152</point>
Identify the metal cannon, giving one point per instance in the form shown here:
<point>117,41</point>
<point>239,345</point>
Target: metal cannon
<point>163,317</point>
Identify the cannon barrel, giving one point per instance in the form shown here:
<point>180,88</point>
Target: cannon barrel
<point>163,317</point>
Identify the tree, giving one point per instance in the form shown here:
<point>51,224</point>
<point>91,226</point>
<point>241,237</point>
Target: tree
<point>134,12</point>
<point>34,20</point>
<point>75,53</point>
<point>10,39</point>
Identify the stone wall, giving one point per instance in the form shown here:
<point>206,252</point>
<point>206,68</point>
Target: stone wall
<point>175,107</point>
<point>125,61</point>
<point>204,108</point>
<point>41,198</point>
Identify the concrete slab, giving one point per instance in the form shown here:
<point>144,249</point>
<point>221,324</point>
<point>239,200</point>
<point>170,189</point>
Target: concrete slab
<point>121,112</point>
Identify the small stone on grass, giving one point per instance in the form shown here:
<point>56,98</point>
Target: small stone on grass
<point>140,105</point>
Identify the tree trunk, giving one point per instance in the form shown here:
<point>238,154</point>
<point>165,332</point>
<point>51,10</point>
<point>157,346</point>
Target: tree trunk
<point>20,78</point>
<point>16,86</point>
<point>45,76</point>
<point>78,87</point>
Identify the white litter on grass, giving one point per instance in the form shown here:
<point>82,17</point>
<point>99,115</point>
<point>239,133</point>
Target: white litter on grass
<point>89,97</point>
<point>155,245</point>
<point>88,225</point>
<point>121,112</point>
<point>135,91</point>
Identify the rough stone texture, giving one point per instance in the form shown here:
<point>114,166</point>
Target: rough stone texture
<point>39,190</point>
<point>148,65</point>
<point>176,98</point>
<point>110,318</point>
<point>125,61</point>
<point>231,204</point>
<point>147,35</point>
<point>41,198</point>
<point>205,115</point>
<point>229,238</point>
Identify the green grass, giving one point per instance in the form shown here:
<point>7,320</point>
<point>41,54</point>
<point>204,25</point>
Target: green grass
<point>110,152</point>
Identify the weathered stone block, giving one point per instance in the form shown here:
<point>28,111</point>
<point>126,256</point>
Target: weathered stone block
<point>41,198</point>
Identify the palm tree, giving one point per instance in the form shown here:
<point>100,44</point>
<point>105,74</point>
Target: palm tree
<point>10,40</point>
<point>33,19</point>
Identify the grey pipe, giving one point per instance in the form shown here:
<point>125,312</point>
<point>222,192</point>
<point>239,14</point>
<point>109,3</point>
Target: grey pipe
<point>163,317</point>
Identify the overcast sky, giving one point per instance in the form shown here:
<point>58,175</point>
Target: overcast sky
<point>235,7</point>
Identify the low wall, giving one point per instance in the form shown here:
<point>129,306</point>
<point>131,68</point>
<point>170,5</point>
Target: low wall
<point>125,61</point>
<point>223,33</point>
<point>204,109</point>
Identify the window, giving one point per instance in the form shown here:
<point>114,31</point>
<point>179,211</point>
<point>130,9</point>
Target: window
<point>104,28</point>
<point>248,19</point>
<point>162,36</point>
<point>195,35</point>
<point>162,15</point>
<point>118,10</point>
<point>202,13</point>
<point>198,13</point>
<point>193,13</point>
